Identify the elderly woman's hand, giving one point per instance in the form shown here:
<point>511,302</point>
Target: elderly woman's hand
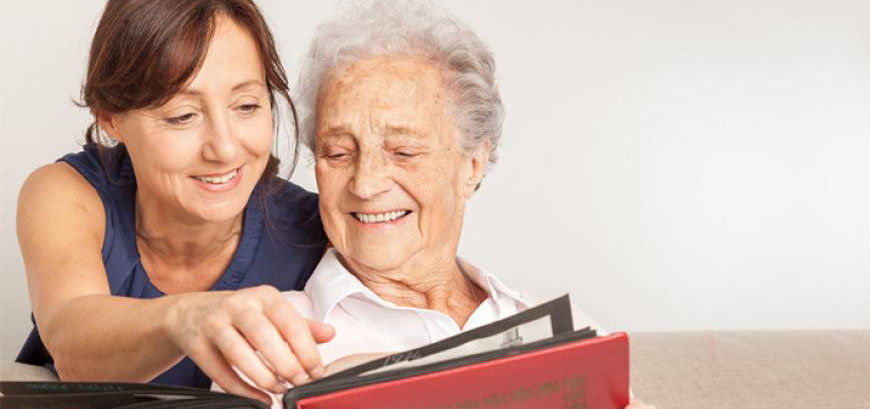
<point>254,330</point>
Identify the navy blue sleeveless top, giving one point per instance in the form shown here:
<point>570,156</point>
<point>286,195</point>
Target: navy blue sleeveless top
<point>281,242</point>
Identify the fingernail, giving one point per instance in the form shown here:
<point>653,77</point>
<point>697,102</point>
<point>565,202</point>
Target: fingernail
<point>317,372</point>
<point>282,387</point>
<point>300,379</point>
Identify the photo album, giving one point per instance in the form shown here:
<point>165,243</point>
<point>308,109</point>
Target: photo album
<point>533,359</point>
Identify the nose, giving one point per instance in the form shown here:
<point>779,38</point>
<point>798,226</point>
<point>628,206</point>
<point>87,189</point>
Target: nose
<point>371,175</point>
<point>221,144</point>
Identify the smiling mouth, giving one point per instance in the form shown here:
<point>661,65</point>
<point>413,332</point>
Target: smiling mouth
<point>218,179</point>
<point>380,217</point>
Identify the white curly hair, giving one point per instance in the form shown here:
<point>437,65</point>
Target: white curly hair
<point>411,28</point>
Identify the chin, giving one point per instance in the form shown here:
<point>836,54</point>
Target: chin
<point>223,211</point>
<point>379,258</point>
<point>221,208</point>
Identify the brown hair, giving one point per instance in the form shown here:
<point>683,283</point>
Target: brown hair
<point>145,51</point>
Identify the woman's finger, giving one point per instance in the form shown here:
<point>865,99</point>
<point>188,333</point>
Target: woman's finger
<point>210,360</point>
<point>295,330</point>
<point>320,331</point>
<point>273,349</point>
<point>239,354</point>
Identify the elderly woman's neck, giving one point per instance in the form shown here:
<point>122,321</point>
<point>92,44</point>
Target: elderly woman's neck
<point>441,287</point>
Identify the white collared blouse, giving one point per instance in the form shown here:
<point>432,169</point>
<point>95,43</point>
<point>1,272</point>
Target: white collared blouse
<point>366,323</point>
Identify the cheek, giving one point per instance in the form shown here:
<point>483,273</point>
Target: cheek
<point>330,188</point>
<point>438,182</point>
<point>439,191</point>
<point>259,140</point>
<point>162,152</point>
<point>329,184</point>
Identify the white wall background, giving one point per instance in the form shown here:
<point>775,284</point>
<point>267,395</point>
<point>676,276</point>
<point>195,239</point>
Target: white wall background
<point>674,164</point>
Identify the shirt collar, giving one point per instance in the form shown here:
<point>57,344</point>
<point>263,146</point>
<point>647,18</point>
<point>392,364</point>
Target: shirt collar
<point>495,288</point>
<point>331,282</point>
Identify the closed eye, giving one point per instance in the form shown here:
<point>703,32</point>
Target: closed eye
<point>336,156</point>
<point>181,119</point>
<point>406,155</point>
<point>249,108</point>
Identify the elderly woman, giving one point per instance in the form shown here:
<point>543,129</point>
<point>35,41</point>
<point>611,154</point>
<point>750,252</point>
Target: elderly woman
<point>140,249</point>
<point>403,117</point>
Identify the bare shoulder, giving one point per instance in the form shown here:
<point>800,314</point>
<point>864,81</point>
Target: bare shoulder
<point>59,176</point>
<point>60,224</point>
<point>58,187</point>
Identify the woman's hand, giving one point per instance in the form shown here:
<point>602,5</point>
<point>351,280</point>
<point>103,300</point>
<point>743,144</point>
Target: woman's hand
<point>254,330</point>
<point>637,404</point>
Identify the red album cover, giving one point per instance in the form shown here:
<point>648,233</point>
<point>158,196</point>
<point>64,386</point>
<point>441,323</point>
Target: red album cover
<point>584,373</point>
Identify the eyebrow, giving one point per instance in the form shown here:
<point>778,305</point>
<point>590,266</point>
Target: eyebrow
<point>244,84</point>
<point>341,130</point>
<point>334,132</point>
<point>403,130</point>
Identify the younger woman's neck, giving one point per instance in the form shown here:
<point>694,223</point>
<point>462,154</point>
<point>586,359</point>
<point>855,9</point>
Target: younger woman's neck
<point>183,238</point>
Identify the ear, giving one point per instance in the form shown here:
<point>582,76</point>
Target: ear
<point>107,122</point>
<point>479,159</point>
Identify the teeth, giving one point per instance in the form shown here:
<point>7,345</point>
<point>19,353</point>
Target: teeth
<point>380,217</point>
<point>218,180</point>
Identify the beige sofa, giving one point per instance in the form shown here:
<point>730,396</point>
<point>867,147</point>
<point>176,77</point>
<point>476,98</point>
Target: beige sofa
<point>752,369</point>
<point>734,370</point>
